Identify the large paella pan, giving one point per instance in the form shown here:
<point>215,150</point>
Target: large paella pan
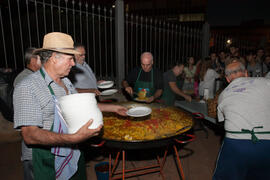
<point>156,129</point>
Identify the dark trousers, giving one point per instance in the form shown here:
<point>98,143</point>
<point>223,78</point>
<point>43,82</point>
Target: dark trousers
<point>28,170</point>
<point>243,160</point>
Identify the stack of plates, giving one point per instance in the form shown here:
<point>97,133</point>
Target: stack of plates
<point>105,85</point>
<point>108,92</point>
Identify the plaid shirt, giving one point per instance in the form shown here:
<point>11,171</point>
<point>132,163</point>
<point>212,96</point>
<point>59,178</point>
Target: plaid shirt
<point>34,104</point>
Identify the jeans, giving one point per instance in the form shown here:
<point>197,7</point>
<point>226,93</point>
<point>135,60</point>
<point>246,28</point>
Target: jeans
<point>28,170</point>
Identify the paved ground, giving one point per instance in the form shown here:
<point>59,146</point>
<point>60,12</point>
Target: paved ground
<point>198,157</point>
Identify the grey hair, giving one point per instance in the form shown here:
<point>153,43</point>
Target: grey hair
<point>240,68</point>
<point>147,53</point>
<point>45,55</point>
<point>29,54</point>
<point>76,45</point>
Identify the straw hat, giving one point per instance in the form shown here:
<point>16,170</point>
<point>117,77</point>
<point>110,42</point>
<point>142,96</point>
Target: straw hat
<point>59,42</point>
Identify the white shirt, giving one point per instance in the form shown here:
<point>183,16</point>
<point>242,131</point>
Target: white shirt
<point>208,82</point>
<point>245,104</point>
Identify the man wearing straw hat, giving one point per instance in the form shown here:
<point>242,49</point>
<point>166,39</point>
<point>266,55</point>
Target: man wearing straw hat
<point>53,154</point>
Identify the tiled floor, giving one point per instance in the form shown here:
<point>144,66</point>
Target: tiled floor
<point>198,158</point>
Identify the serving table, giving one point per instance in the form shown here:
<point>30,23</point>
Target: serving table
<point>196,107</point>
<point>162,128</point>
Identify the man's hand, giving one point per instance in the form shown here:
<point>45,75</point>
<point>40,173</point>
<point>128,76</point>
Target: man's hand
<point>100,81</point>
<point>97,92</point>
<point>129,90</point>
<point>150,99</point>
<point>121,110</point>
<point>84,133</point>
<point>188,98</point>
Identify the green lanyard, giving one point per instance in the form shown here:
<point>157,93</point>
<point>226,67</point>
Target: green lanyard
<point>247,131</point>
<point>49,86</point>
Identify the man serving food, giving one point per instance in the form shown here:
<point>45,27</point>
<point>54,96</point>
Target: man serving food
<point>145,81</point>
<point>36,114</point>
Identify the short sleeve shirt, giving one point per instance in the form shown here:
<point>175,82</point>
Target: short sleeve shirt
<point>167,78</point>
<point>145,76</point>
<point>21,76</point>
<point>208,82</point>
<point>190,73</point>
<point>34,104</point>
<point>244,104</point>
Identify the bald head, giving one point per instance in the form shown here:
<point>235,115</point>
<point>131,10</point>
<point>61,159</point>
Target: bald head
<point>147,61</point>
<point>235,70</point>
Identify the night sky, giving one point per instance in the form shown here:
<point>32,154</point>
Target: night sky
<point>233,12</point>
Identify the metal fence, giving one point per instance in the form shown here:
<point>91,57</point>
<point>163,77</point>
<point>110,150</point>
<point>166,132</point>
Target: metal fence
<point>168,42</point>
<point>23,23</point>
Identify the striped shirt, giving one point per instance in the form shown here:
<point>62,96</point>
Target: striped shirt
<point>34,104</point>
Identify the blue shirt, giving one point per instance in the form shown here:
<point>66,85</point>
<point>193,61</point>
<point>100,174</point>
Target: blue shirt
<point>84,77</point>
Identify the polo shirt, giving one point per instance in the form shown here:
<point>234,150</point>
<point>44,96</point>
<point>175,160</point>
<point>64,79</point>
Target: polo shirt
<point>244,104</point>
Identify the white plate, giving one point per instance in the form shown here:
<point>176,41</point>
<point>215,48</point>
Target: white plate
<point>105,84</point>
<point>202,101</point>
<point>108,92</point>
<point>139,111</point>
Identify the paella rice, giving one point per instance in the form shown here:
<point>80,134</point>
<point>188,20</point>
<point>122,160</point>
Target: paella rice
<point>162,122</point>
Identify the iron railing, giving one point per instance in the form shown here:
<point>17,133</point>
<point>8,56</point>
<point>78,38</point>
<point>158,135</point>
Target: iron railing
<point>23,23</point>
<point>169,43</point>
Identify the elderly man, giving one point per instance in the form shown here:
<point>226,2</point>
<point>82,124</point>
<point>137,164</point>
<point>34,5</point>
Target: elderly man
<point>170,87</point>
<point>84,78</point>
<point>244,106</point>
<point>32,62</point>
<point>36,113</point>
<point>144,78</point>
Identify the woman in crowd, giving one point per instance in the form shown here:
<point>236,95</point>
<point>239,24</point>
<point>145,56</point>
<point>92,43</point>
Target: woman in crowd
<point>189,71</point>
<point>207,78</point>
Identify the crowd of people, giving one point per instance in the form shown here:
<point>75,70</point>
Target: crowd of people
<point>59,68</point>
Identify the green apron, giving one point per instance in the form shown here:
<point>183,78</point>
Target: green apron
<point>168,96</point>
<point>43,159</point>
<point>148,86</point>
<point>247,131</point>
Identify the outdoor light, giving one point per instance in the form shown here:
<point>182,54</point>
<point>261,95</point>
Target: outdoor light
<point>113,6</point>
<point>229,41</point>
